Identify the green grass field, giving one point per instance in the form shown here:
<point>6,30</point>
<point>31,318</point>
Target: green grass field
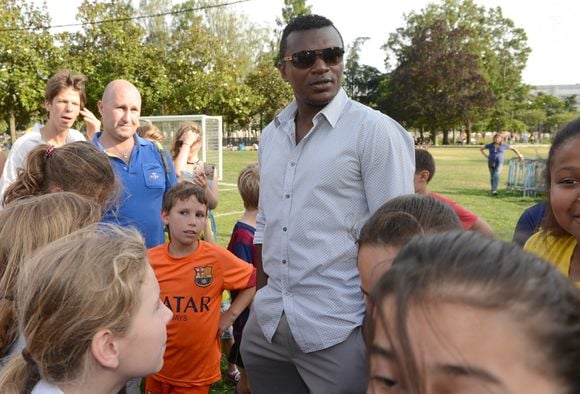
<point>461,174</point>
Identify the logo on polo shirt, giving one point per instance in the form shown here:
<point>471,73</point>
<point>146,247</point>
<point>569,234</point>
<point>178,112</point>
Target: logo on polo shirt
<point>203,276</point>
<point>154,176</point>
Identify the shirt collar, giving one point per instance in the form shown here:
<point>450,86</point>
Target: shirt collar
<point>138,140</point>
<point>331,112</point>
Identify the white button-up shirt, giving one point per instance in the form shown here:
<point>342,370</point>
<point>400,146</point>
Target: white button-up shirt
<point>314,197</point>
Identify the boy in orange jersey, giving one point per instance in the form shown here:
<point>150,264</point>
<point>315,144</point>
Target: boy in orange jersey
<point>192,275</point>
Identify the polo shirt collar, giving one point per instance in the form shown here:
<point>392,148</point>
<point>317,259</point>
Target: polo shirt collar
<point>138,140</point>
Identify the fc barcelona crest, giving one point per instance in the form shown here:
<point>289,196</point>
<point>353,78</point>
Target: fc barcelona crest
<point>203,276</point>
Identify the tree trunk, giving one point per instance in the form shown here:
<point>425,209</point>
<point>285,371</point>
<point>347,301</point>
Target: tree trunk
<point>445,137</point>
<point>433,137</point>
<point>468,132</point>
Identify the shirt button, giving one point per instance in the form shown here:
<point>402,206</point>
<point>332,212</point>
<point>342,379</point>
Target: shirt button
<point>292,164</point>
<point>287,196</point>
<point>284,229</point>
<point>283,261</point>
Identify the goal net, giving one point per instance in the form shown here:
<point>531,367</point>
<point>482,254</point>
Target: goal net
<point>211,129</point>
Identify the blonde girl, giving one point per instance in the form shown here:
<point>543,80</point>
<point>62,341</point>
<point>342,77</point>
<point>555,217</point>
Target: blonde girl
<point>78,167</point>
<point>90,313</point>
<point>25,226</point>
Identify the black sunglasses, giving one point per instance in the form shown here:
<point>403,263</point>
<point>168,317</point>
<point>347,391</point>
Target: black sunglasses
<point>305,59</point>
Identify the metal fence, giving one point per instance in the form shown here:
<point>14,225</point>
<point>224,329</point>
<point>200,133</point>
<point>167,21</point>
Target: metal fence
<point>527,176</point>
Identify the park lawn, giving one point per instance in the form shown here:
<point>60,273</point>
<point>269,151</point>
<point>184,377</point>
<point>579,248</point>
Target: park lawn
<point>461,174</point>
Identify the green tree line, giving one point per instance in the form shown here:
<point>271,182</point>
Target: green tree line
<point>454,65</point>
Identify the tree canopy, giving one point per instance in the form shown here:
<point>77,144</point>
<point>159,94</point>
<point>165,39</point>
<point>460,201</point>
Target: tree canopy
<point>456,64</point>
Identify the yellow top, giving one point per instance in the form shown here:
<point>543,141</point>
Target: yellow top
<point>555,250</point>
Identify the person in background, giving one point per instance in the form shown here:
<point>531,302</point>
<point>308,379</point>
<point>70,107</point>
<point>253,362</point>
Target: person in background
<point>242,245</point>
<point>557,240</point>
<point>462,313</point>
<point>64,101</point>
<point>326,164</point>
<point>185,149</point>
<point>90,315</point>
<point>392,226</point>
<point>424,172</point>
<point>192,275</point>
<point>152,133</point>
<point>143,172</point>
<point>494,156</point>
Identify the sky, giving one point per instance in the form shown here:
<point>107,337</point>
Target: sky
<point>551,27</point>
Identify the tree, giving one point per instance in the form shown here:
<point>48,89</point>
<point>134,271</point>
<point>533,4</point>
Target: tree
<point>292,9</point>
<point>25,47</point>
<point>157,27</point>
<point>571,103</point>
<point>272,92</point>
<point>504,52</point>
<point>474,68</point>
<point>438,83</point>
<point>113,46</point>
<point>361,82</point>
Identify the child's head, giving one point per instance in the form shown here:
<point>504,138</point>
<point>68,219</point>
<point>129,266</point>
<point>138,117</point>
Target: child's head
<point>497,138</point>
<point>392,225</point>
<point>178,141</point>
<point>184,212</point>
<point>150,132</point>
<point>461,312</point>
<point>562,180</point>
<point>424,170</point>
<point>26,225</point>
<point>249,185</point>
<point>88,307</point>
<point>78,167</point>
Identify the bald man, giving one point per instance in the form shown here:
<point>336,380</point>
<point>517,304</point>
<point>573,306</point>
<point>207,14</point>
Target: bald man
<point>143,174</point>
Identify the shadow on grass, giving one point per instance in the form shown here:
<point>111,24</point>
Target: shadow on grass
<point>505,195</point>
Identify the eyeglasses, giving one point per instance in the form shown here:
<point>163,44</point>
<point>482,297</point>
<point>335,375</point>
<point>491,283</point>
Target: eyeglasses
<point>305,59</point>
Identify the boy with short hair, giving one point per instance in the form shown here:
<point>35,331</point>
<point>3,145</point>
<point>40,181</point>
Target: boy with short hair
<point>242,245</point>
<point>192,275</point>
<point>424,171</point>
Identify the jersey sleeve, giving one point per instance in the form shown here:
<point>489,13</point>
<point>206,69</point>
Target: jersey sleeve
<point>237,273</point>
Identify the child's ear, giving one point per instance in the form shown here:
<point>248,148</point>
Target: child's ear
<point>424,175</point>
<point>165,217</point>
<point>105,349</point>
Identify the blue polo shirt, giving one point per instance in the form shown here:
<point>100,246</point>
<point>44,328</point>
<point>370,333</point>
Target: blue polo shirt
<point>143,183</point>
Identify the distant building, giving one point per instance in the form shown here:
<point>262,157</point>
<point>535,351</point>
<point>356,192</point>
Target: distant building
<point>560,91</point>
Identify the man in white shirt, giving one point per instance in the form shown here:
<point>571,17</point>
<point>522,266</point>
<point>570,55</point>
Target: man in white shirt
<point>64,100</point>
<point>326,164</point>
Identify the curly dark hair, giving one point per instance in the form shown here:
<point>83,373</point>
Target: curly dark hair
<point>570,130</point>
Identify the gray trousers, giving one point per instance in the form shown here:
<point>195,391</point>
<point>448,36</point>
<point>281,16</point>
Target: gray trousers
<point>281,367</point>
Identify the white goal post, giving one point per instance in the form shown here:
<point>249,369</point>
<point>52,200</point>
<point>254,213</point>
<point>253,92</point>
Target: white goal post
<point>212,132</point>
